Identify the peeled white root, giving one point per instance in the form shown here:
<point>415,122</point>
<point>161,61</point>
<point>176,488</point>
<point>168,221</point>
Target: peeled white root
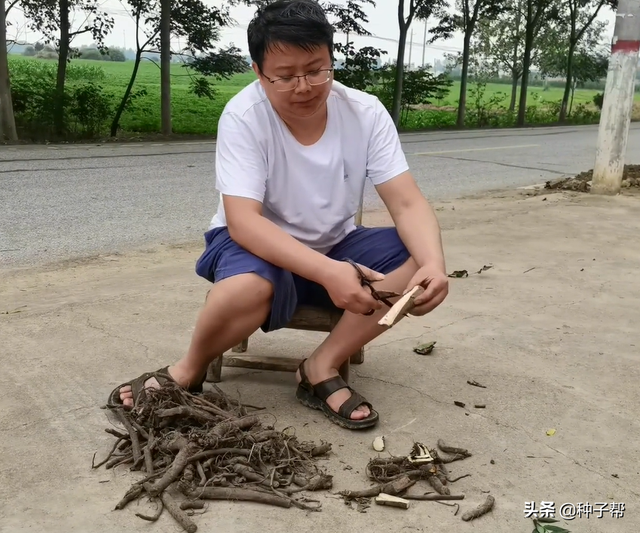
<point>401,307</point>
<point>392,501</point>
<point>379,444</point>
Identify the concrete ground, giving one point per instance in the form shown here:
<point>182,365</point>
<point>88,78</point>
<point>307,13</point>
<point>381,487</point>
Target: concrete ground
<point>551,330</point>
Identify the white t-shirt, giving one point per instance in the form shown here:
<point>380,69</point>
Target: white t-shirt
<point>311,192</point>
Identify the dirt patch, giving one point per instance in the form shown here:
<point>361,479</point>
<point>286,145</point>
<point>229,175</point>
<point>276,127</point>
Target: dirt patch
<point>582,181</point>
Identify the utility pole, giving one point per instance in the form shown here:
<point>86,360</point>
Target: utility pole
<point>618,100</point>
<point>410,47</point>
<point>165,66</point>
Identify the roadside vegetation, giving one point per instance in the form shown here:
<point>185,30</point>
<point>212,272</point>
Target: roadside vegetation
<point>98,93</point>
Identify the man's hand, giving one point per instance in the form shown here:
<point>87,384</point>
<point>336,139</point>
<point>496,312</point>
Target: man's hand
<point>343,284</point>
<point>436,284</point>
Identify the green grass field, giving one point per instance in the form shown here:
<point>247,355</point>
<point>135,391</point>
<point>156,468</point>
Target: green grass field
<point>199,116</point>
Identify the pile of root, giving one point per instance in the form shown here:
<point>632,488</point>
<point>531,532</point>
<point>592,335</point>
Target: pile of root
<point>396,475</point>
<point>582,182</point>
<point>193,448</point>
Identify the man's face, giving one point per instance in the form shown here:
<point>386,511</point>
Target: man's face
<point>281,64</point>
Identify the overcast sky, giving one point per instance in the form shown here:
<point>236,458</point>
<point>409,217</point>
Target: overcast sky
<point>382,24</point>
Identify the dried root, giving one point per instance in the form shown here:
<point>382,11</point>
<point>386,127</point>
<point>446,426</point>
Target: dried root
<point>395,475</point>
<point>209,447</point>
<point>482,509</point>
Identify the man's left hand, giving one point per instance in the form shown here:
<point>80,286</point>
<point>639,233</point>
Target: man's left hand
<point>436,284</point>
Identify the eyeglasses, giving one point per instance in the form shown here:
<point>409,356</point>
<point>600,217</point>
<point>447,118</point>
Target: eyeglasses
<point>289,83</point>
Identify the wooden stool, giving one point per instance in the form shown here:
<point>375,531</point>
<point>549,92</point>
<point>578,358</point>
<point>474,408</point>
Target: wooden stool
<point>305,318</point>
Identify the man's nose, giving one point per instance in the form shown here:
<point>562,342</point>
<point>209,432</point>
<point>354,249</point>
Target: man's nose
<point>303,85</point>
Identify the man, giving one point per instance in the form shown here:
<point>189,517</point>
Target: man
<point>293,152</point>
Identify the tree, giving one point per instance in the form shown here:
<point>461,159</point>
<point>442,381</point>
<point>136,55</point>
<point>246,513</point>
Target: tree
<point>7,119</point>
<point>501,41</point>
<point>165,66</point>
<point>358,69</point>
<point>422,10</point>
<point>580,17</point>
<point>589,60</point>
<point>420,87</point>
<point>471,11</point>
<point>537,14</point>
<point>194,22</point>
<point>52,18</point>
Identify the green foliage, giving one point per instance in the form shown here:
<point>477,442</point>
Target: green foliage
<point>598,100</point>
<point>544,525</point>
<point>420,87</point>
<point>95,54</point>
<point>486,110</point>
<point>348,18</point>
<point>33,85</point>
<point>360,67</point>
<point>89,101</point>
<point>199,116</point>
<point>43,16</point>
<point>216,64</point>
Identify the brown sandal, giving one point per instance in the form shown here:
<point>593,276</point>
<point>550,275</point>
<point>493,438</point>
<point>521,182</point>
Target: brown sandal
<point>315,397</point>
<point>139,391</point>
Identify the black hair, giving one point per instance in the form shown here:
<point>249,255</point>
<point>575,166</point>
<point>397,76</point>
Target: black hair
<point>301,23</point>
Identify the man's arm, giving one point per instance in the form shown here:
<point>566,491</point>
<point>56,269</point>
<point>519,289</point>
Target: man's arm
<point>388,170</point>
<point>265,239</point>
<point>415,220</point>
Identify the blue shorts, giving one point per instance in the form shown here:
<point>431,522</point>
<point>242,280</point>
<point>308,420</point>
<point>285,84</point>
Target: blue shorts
<point>380,249</point>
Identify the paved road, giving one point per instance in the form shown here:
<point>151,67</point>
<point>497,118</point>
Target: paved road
<point>64,201</point>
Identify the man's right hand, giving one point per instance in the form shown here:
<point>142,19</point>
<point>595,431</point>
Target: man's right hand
<point>343,284</point>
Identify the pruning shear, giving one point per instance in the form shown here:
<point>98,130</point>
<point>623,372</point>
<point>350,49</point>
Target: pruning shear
<point>381,296</point>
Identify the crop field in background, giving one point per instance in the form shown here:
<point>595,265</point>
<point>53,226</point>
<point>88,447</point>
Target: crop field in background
<point>199,116</point>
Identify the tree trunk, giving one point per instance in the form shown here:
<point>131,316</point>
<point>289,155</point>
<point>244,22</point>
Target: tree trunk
<point>462,101</point>
<point>7,122</point>
<point>397,93</point>
<point>567,85</point>
<point>63,56</point>
<point>573,94</point>
<point>515,77</point>
<point>165,65</point>
<point>526,63</point>
<point>127,93</point>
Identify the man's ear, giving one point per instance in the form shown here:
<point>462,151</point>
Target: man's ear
<point>256,69</point>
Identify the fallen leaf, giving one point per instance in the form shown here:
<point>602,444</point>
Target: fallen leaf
<point>459,404</point>
<point>459,274</point>
<point>475,383</point>
<point>485,267</point>
<point>551,432</point>
<point>425,349</point>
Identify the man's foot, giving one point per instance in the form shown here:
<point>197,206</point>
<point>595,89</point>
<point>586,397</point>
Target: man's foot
<point>325,390</point>
<point>127,394</point>
<point>335,400</point>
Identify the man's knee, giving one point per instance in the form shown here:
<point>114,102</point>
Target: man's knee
<point>245,290</point>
